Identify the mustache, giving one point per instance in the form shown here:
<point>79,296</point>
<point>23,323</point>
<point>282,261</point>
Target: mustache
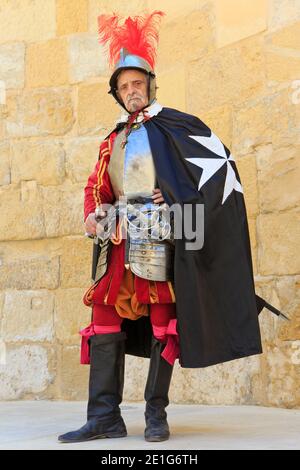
<point>133,97</point>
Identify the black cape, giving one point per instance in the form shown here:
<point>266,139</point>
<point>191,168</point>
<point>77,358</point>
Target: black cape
<point>216,305</point>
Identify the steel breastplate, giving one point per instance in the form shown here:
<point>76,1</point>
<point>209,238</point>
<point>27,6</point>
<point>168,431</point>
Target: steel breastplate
<point>131,169</point>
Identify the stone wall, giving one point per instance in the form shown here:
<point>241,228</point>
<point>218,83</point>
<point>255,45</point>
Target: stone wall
<point>233,63</point>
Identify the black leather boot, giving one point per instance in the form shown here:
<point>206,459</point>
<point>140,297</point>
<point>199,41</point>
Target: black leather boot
<point>156,395</point>
<point>107,353</point>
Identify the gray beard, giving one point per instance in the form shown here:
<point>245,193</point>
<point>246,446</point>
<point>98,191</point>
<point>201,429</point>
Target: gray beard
<point>135,106</point>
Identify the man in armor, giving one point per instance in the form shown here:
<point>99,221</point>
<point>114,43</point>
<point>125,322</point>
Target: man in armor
<point>133,276</point>
<point>150,297</point>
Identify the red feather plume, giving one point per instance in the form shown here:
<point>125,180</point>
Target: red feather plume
<point>139,35</point>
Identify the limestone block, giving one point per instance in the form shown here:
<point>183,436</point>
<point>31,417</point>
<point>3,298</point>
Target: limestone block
<point>3,110</point>
<point>175,9</point>
<point>285,125</point>
<point>47,64</point>
<point>282,54</point>
<point>27,20</point>
<point>282,372</point>
<point>2,97</point>
<point>2,127</point>
<point>283,12</point>
<point>279,238</point>
<point>39,271</point>
<point>288,291</point>
<point>248,174</point>
<point>295,355</point>
<point>250,128</point>
<point>71,315</point>
<point>5,177</point>
<point>234,74</point>
<point>98,7</point>
<point>71,17</point>
<point>63,210</point>
<point>3,349</point>
<point>81,157</point>
<point>172,92</point>
<point>28,315</point>
<point>12,64</point>
<point>230,381</point>
<point>283,293</point>
<point>40,160</point>
<point>265,287</point>
<point>185,38</point>
<point>73,376</point>
<point>2,297</point>
<point>3,107</point>
<point>26,372</point>
<point>220,121</point>
<point>76,262</point>
<point>261,122</point>
<point>238,20</point>
<point>136,377</point>
<point>96,109</point>
<point>21,212</point>
<point>253,241</point>
<point>287,37</point>
<point>278,178</point>
<point>87,57</point>
<point>39,112</point>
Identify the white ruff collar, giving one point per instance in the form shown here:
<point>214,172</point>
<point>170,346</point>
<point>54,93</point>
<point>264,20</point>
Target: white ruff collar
<point>151,111</point>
